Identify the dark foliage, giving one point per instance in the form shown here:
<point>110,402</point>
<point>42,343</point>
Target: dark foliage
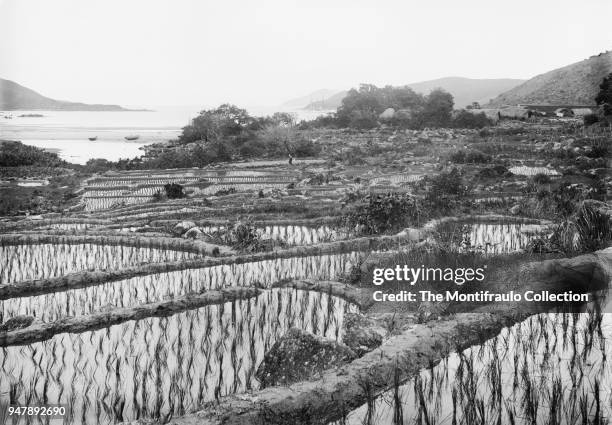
<point>541,179</point>
<point>361,107</point>
<point>590,119</point>
<point>604,97</point>
<point>465,119</point>
<point>15,154</point>
<point>466,156</point>
<point>383,213</point>
<point>174,190</point>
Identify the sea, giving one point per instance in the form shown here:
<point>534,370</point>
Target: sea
<point>68,132</point>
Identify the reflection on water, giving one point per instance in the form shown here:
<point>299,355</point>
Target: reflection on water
<point>156,366</point>
<point>492,239</point>
<point>24,262</point>
<point>550,369</point>
<point>157,287</point>
<point>291,235</point>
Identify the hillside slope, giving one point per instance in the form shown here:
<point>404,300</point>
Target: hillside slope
<point>303,101</point>
<point>464,91</point>
<point>575,84</point>
<point>14,96</point>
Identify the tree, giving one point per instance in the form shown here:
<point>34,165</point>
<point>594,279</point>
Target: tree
<point>604,97</point>
<point>360,108</point>
<point>438,109</point>
<point>465,119</point>
<point>215,124</point>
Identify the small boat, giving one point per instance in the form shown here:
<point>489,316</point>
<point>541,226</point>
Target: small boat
<point>132,137</point>
<point>93,139</point>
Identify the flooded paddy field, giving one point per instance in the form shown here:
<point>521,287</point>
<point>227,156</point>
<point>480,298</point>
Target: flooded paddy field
<point>159,367</point>
<point>158,287</point>
<point>551,368</point>
<point>304,219</point>
<point>292,235</point>
<point>494,237</point>
<point>27,261</point>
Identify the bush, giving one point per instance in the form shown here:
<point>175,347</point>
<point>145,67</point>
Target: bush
<point>174,191</point>
<point>470,157</point>
<point>590,119</point>
<point>447,183</point>
<point>444,192</point>
<point>383,213</point>
<point>227,191</point>
<point>594,228</point>
<point>15,154</point>
<point>252,148</point>
<point>540,179</point>
<point>304,147</point>
<point>494,171</point>
<point>465,119</point>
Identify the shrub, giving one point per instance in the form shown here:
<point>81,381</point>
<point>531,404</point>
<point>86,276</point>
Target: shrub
<point>227,191</point>
<point>593,227</point>
<point>252,148</point>
<point>174,190</point>
<point>494,171</point>
<point>465,119</point>
<point>447,183</point>
<point>444,192</point>
<point>470,157</point>
<point>383,213</point>
<point>245,237</point>
<point>590,119</point>
<point>304,147</point>
<point>14,154</point>
<point>540,179</point>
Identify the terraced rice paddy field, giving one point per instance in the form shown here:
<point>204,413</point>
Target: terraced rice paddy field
<point>145,308</point>
<point>551,368</point>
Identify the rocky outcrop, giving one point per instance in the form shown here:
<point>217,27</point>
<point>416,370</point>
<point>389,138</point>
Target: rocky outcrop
<point>193,233</point>
<point>299,356</point>
<point>182,227</point>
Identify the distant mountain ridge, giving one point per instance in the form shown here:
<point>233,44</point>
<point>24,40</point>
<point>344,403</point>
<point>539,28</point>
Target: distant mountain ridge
<point>303,101</point>
<point>575,84</point>
<point>14,96</point>
<point>465,91</point>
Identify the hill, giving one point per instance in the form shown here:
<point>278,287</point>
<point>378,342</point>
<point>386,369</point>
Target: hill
<point>329,103</point>
<point>302,102</point>
<point>464,91</point>
<point>14,96</point>
<point>575,84</point>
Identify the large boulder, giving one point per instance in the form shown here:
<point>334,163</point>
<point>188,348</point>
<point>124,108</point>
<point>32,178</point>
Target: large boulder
<point>299,356</point>
<point>387,114</point>
<point>182,227</point>
<point>193,233</point>
<point>15,323</point>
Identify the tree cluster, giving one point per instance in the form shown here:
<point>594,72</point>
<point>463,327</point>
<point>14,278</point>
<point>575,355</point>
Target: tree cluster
<point>361,108</point>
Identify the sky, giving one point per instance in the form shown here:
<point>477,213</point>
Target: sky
<point>200,52</point>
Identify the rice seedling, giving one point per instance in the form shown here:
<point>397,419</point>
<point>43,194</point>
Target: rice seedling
<point>546,370</point>
<point>163,366</point>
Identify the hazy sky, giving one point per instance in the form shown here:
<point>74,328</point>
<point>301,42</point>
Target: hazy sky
<point>198,52</point>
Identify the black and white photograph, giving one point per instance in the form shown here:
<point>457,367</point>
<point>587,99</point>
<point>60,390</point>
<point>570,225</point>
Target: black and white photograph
<point>282,212</point>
